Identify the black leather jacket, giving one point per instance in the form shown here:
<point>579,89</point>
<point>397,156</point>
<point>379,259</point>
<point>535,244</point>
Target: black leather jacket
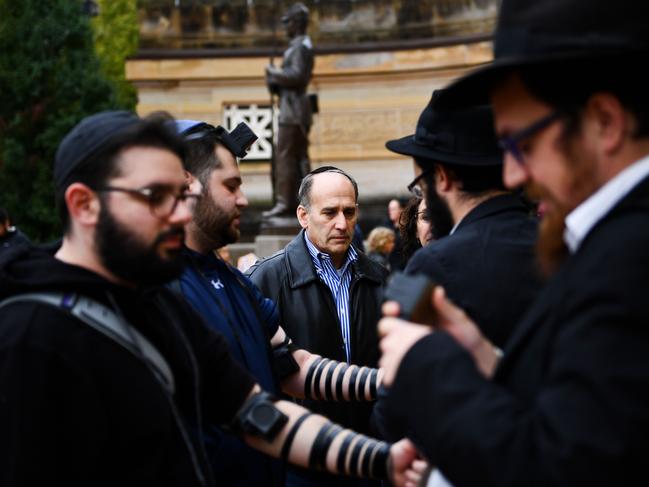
<point>308,314</point>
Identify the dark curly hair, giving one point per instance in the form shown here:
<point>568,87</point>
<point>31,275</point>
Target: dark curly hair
<point>408,229</point>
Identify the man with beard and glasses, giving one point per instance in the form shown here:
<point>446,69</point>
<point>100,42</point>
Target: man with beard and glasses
<point>109,378</point>
<point>484,252</point>
<point>568,402</point>
<point>231,304</point>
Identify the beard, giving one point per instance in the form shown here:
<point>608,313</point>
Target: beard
<point>213,223</point>
<point>124,254</point>
<point>551,249</point>
<point>439,213</point>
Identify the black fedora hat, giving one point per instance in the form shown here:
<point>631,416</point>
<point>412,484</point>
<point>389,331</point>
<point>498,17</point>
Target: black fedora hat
<point>532,32</point>
<point>463,137</point>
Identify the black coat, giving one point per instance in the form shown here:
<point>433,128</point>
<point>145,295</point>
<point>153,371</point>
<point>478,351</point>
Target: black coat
<point>487,265</point>
<point>12,238</point>
<point>569,404</point>
<point>76,408</point>
<point>308,314</point>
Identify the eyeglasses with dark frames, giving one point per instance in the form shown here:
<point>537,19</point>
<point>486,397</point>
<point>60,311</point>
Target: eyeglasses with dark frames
<point>162,200</point>
<point>415,188</point>
<point>510,143</point>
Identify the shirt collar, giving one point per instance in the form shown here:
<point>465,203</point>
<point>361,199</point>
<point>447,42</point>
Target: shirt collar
<point>582,219</point>
<point>317,256</point>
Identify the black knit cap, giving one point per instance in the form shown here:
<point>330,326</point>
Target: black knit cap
<point>87,139</point>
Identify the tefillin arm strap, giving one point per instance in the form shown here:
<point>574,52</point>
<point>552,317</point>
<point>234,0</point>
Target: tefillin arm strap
<point>355,454</point>
<point>337,381</point>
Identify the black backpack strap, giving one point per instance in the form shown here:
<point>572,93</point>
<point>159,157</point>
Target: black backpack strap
<point>105,321</point>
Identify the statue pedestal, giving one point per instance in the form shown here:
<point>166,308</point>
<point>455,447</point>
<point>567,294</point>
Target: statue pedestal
<point>274,234</point>
<point>280,225</point>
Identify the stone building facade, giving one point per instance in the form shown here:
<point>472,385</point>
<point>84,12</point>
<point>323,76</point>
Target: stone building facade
<point>369,92</point>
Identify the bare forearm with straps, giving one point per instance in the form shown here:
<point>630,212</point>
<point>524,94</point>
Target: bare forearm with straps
<point>312,441</point>
<point>329,380</point>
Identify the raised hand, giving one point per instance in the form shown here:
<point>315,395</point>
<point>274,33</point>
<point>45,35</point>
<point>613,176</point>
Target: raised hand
<point>456,323</point>
<point>398,336</point>
<point>404,466</point>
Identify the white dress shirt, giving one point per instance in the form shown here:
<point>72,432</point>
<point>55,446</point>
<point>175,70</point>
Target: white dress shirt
<point>582,219</point>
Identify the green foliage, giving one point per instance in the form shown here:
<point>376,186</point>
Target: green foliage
<point>49,80</point>
<point>116,38</point>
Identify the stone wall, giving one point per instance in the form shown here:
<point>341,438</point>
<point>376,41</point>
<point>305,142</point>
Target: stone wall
<point>365,99</point>
<point>219,24</point>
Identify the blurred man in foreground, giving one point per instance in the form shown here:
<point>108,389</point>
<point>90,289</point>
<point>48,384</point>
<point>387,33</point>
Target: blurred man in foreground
<point>568,403</point>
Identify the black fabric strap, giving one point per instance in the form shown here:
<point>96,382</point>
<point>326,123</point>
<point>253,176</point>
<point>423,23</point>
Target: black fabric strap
<point>328,394</point>
<point>286,447</point>
<point>309,376</point>
<point>339,382</point>
<point>318,444</point>
<point>375,449</point>
<point>352,384</point>
<point>321,460</point>
<point>373,378</point>
<point>285,363</point>
<point>288,343</point>
<point>317,394</point>
<point>342,453</point>
<point>361,384</point>
<point>356,451</point>
<point>367,456</point>
<point>285,343</point>
<point>379,467</point>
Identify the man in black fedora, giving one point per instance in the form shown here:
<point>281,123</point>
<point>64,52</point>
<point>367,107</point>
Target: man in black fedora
<point>568,402</point>
<point>484,253</point>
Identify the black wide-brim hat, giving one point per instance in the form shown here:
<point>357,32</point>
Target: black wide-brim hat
<point>463,137</point>
<point>536,32</point>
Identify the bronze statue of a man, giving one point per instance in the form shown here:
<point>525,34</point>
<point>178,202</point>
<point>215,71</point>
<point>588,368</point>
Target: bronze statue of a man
<point>290,83</point>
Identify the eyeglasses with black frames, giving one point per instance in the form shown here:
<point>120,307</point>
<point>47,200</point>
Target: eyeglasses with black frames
<point>162,200</point>
<point>415,187</point>
<point>511,143</point>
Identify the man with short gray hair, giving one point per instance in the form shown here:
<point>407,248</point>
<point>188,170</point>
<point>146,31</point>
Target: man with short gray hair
<point>329,294</point>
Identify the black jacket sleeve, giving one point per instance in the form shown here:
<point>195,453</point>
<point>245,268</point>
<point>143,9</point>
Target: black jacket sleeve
<point>51,411</point>
<point>571,411</point>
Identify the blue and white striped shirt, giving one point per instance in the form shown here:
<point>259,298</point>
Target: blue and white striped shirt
<point>338,282</point>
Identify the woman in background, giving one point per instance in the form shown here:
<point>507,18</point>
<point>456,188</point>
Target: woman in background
<point>415,228</point>
<point>380,242</point>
